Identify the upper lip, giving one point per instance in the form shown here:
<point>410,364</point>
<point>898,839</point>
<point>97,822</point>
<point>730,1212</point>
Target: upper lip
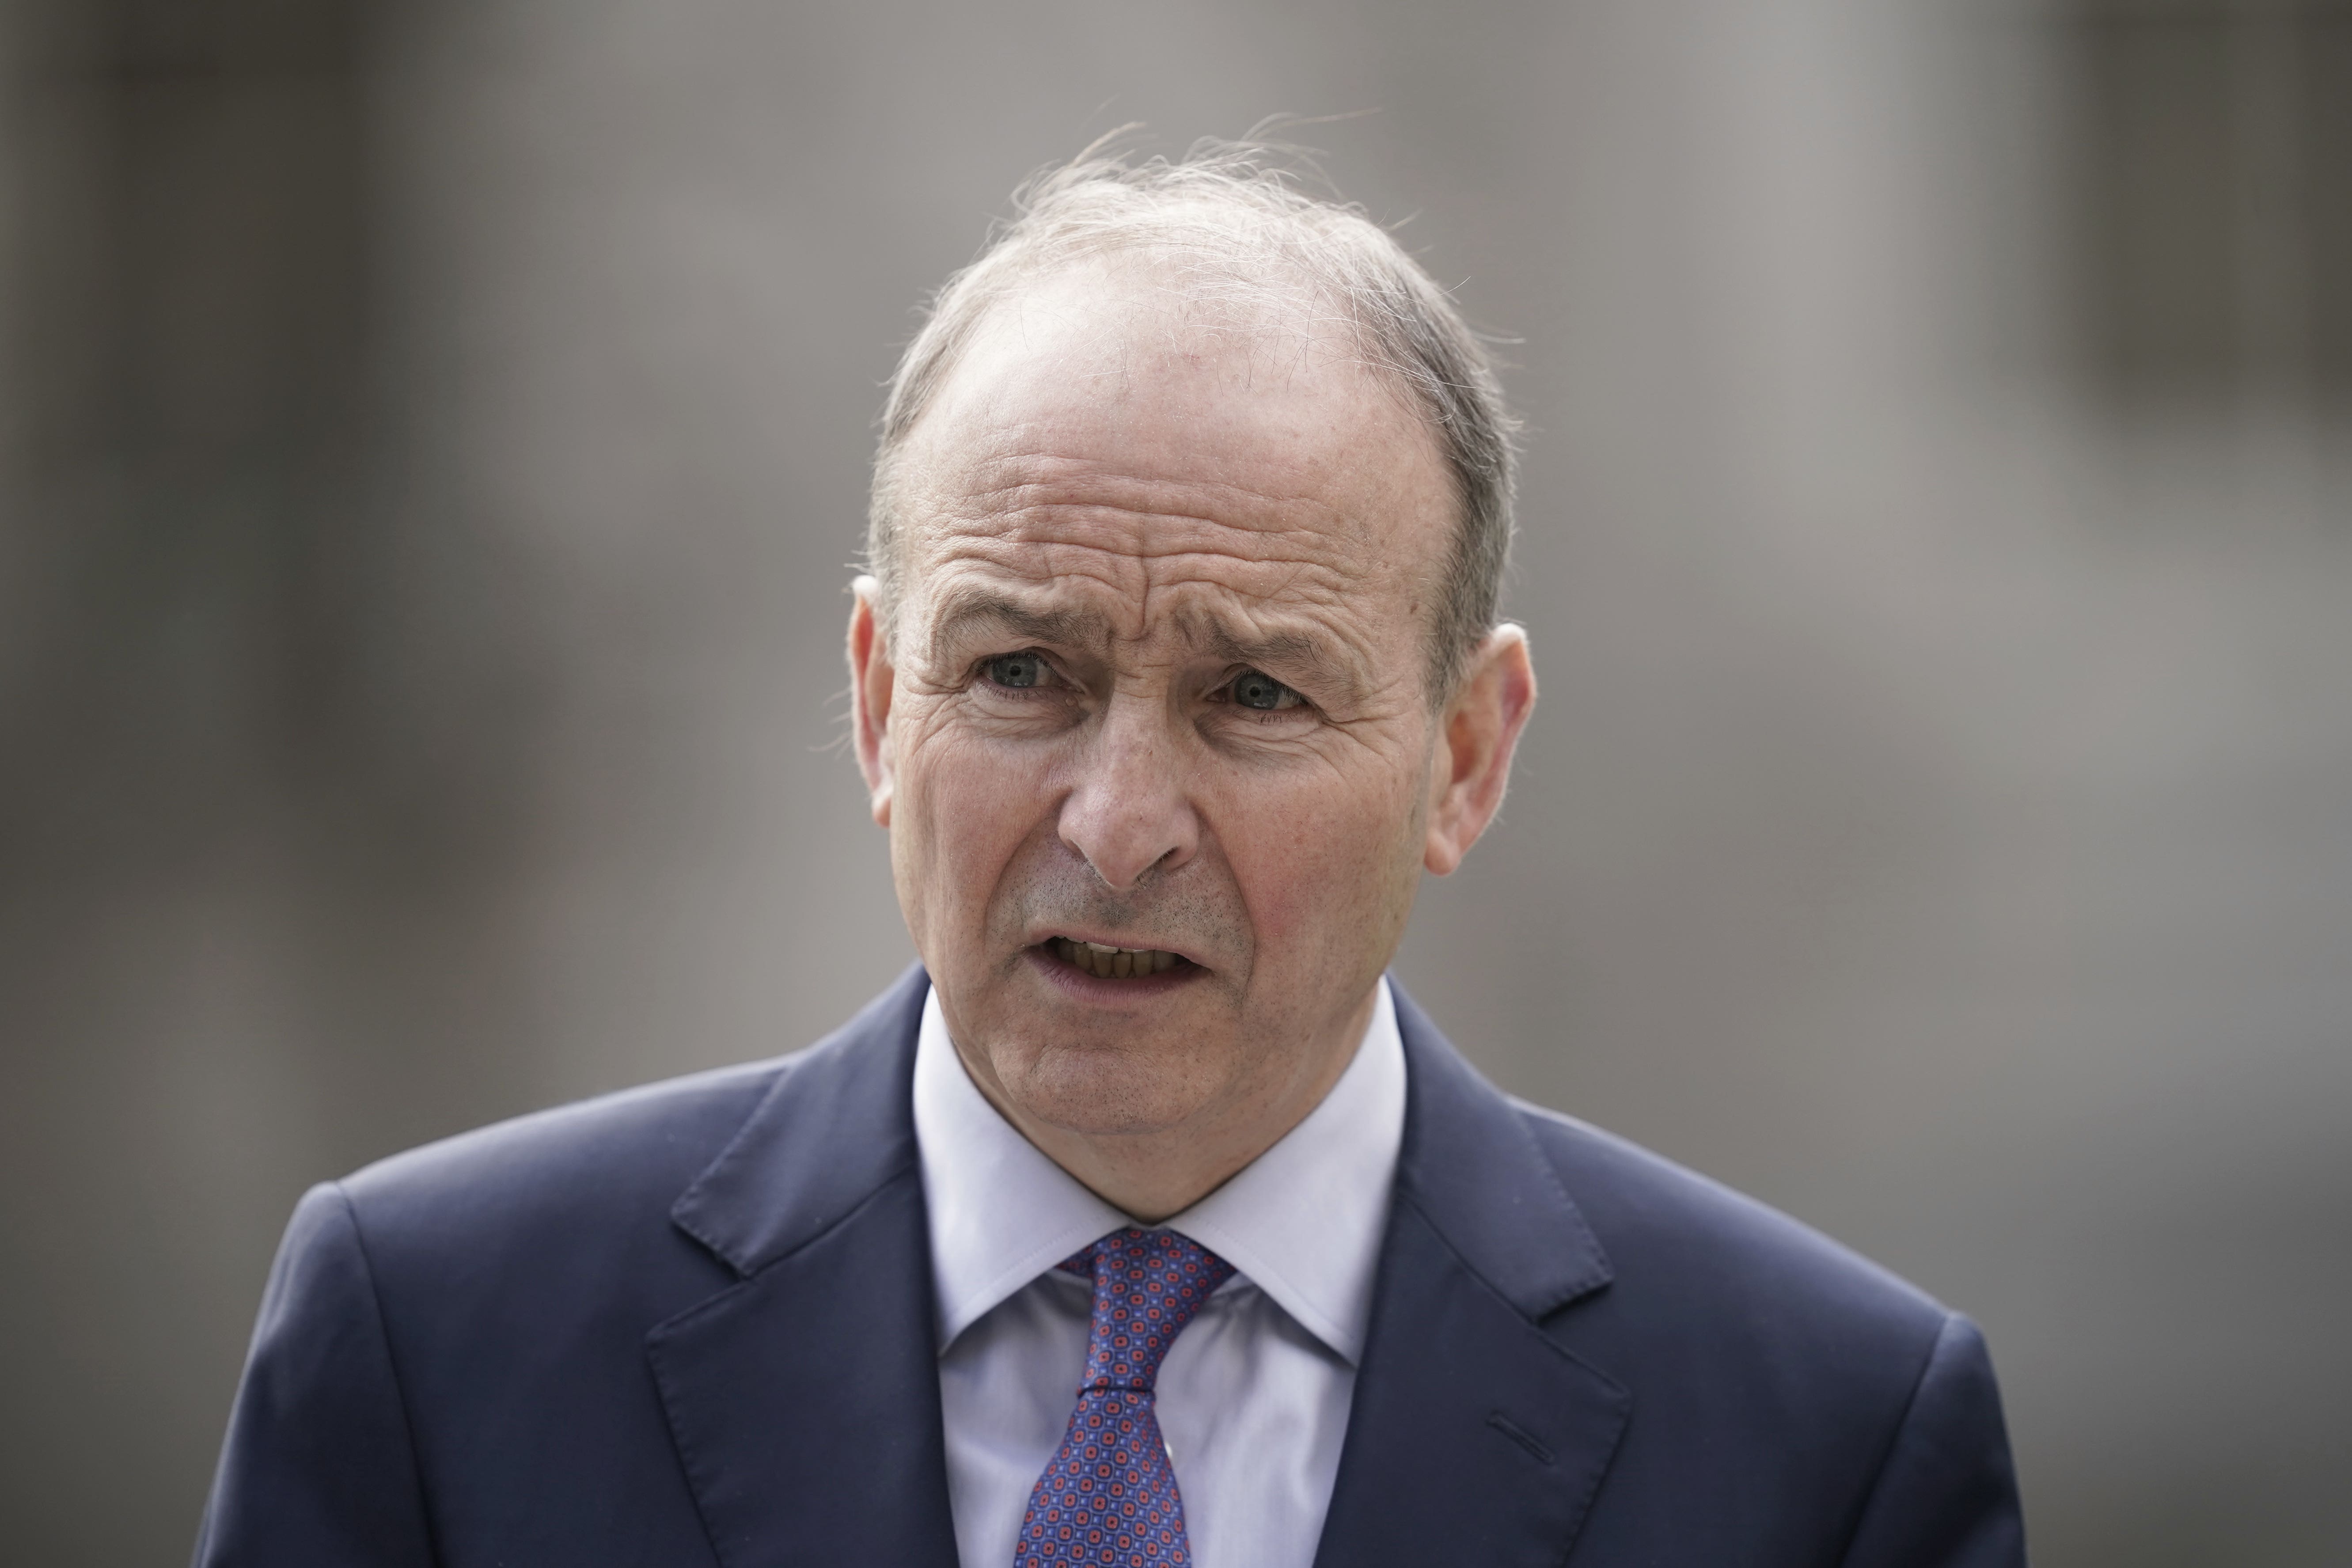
<point>1133,944</point>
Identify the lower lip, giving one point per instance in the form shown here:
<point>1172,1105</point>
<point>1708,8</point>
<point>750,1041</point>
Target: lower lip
<point>1076,982</point>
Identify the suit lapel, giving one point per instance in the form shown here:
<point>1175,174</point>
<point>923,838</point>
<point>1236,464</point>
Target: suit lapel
<point>1473,1437</point>
<point>803,1399</point>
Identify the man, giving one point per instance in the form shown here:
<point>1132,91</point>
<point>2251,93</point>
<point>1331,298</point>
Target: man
<point>1146,1222</point>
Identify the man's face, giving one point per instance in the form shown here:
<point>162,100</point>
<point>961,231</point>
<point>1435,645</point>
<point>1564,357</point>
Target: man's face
<point>1156,684</point>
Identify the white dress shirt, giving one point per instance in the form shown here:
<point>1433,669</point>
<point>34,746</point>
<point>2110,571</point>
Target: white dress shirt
<point>1254,1397</point>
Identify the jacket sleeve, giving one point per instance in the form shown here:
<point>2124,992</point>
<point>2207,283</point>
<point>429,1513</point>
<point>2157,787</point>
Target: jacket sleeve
<point>319,1470</point>
<point>1947,1494</point>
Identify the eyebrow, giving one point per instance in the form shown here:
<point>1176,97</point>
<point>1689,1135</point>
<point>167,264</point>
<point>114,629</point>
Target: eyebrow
<point>967,609</point>
<point>1328,658</point>
<point>1273,647</point>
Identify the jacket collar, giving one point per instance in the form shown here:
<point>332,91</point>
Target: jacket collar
<point>1473,1167</point>
<point>804,1398</point>
<point>1473,1436</point>
<point>835,1127</point>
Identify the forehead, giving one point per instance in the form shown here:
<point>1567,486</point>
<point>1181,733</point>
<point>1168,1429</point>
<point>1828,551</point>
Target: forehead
<point>1107,434</point>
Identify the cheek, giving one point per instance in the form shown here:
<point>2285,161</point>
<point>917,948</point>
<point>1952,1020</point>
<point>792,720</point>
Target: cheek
<point>963,809</point>
<point>1319,866</point>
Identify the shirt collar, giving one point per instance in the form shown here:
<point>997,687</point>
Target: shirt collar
<point>1302,1222</point>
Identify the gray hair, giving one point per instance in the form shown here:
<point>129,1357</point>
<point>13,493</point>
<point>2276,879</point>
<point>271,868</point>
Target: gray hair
<point>1233,220</point>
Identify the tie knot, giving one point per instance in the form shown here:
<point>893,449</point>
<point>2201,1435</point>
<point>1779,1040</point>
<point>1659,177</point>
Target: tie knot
<point>1148,1286</point>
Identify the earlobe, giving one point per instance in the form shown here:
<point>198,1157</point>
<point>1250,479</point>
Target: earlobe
<point>1480,729</point>
<point>1442,851</point>
<point>871,681</point>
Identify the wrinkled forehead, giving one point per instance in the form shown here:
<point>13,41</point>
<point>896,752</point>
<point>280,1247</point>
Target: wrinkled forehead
<point>1112,438</point>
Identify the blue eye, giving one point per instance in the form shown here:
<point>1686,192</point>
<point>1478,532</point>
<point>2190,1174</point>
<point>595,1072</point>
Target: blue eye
<point>1016,671</point>
<point>1253,688</point>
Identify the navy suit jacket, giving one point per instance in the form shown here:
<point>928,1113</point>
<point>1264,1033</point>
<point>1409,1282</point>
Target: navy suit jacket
<point>692,1324</point>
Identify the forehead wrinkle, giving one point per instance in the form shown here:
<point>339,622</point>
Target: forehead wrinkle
<point>1301,533</point>
<point>963,606</point>
<point>1213,633</point>
<point>1136,579</point>
<point>1210,617</point>
<point>1154,530</point>
<point>1225,632</point>
<point>1125,549</point>
<point>1230,509</point>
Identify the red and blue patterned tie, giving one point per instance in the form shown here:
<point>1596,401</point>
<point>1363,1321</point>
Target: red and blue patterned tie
<point>1108,1497</point>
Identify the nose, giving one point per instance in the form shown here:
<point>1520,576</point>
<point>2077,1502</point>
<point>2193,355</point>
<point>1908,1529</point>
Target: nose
<point>1128,811</point>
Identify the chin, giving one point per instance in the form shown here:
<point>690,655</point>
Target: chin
<point>1100,1092</point>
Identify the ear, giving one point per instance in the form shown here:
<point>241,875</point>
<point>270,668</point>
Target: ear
<point>871,680</point>
<point>1478,731</point>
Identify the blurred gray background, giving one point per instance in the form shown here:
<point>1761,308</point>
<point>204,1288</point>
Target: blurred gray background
<point>433,437</point>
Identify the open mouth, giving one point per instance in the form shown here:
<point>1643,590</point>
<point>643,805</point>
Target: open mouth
<point>1115,963</point>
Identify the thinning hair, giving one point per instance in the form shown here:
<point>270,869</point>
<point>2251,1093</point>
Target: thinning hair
<point>1232,222</point>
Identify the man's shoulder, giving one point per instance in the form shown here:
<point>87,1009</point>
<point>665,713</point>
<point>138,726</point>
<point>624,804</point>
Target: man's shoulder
<point>619,1193</point>
<point>601,1163</point>
<point>1694,1251</point>
<point>1824,1407</point>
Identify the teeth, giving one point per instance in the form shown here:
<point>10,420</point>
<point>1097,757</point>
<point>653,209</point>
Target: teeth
<point>1108,963</point>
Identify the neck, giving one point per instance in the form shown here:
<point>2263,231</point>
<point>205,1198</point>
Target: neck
<point>1153,1175</point>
